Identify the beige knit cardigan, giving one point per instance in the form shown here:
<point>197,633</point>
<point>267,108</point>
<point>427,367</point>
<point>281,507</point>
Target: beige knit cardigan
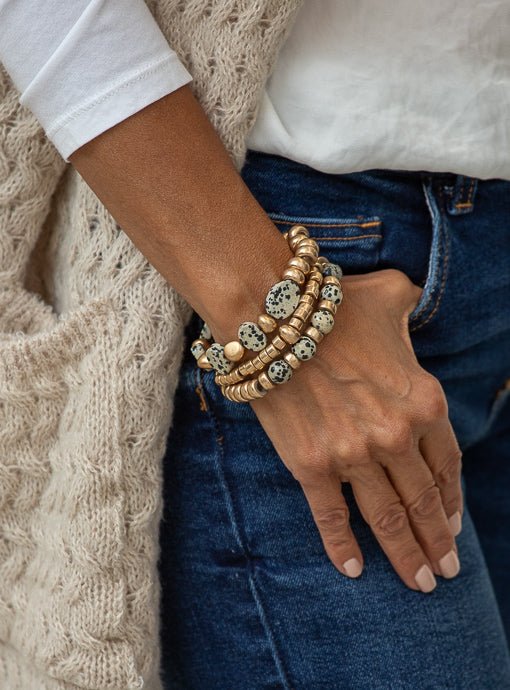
<point>91,342</point>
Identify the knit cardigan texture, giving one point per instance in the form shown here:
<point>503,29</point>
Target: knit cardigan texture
<point>91,343</point>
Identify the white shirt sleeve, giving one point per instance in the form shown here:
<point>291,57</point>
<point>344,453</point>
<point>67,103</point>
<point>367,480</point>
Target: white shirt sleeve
<point>82,66</point>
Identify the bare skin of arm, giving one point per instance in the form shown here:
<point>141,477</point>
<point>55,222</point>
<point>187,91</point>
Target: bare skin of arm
<point>362,410</point>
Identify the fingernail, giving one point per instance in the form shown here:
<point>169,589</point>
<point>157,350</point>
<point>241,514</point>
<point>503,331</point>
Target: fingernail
<point>449,565</point>
<point>425,579</point>
<point>455,523</point>
<point>352,567</point>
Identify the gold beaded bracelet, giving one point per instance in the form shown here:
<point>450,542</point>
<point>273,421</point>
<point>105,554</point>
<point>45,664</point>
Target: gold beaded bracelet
<point>318,303</point>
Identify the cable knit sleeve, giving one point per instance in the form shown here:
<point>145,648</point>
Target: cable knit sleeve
<point>83,66</point>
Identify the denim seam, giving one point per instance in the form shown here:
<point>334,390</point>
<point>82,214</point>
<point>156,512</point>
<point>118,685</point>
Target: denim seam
<point>437,263</point>
<point>444,273</point>
<point>219,461</point>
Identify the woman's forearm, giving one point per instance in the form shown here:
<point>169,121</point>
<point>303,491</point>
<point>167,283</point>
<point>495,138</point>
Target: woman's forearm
<point>167,179</point>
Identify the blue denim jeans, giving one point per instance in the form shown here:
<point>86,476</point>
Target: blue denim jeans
<point>250,600</point>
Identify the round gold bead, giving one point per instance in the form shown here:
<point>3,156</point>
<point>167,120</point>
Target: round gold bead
<point>291,359</point>
<point>314,334</point>
<point>267,323</point>
<point>233,351</point>
<point>265,381</point>
<point>294,274</point>
<point>327,304</point>
<point>300,263</point>
<point>298,230</point>
<point>203,362</point>
<point>322,260</point>
<point>289,333</point>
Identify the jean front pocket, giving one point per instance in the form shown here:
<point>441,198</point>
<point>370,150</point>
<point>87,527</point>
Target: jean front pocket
<point>352,242</point>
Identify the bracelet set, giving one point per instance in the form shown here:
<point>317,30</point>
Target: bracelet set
<point>309,293</point>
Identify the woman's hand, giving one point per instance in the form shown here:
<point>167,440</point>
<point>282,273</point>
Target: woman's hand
<point>364,411</point>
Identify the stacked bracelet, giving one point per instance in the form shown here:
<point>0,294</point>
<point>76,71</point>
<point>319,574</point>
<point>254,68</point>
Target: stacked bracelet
<point>308,296</point>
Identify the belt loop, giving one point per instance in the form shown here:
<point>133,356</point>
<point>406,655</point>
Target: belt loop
<point>462,199</point>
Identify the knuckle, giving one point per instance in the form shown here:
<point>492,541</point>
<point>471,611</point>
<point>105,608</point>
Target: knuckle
<point>425,504</point>
<point>400,439</point>
<point>332,522</point>
<point>433,403</point>
<point>449,471</point>
<point>312,468</point>
<point>390,522</point>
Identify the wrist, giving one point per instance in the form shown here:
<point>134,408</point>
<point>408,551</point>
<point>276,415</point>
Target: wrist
<point>240,294</point>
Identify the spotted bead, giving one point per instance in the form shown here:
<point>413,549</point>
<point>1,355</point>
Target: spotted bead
<point>206,332</point>
<point>331,269</point>
<point>279,371</point>
<point>331,292</point>
<point>252,336</point>
<point>216,357</point>
<point>323,320</point>
<point>282,299</point>
<point>304,348</point>
<point>197,349</point>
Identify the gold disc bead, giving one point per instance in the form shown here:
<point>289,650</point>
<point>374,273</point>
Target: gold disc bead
<point>265,381</point>
<point>296,322</point>
<point>294,274</point>
<point>295,241</point>
<point>314,334</point>
<point>291,359</point>
<point>327,304</point>
<point>234,351</point>
<point>299,262</point>
<point>298,230</point>
<point>331,280</point>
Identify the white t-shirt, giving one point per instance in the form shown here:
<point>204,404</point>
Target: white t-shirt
<point>82,66</point>
<point>358,84</point>
<point>363,84</point>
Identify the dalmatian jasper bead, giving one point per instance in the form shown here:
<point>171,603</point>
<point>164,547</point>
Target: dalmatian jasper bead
<point>251,336</point>
<point>304,348</point>
<point>279,371</point>
<point>198,350</point>
<point>216,357</point>
<point>332,270</point>
<point>332,292</point>
<point>282,299</point>
<point>206,332</point>
<point>323,320</point>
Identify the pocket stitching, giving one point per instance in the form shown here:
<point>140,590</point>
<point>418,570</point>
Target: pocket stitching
<point>441,264</point>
